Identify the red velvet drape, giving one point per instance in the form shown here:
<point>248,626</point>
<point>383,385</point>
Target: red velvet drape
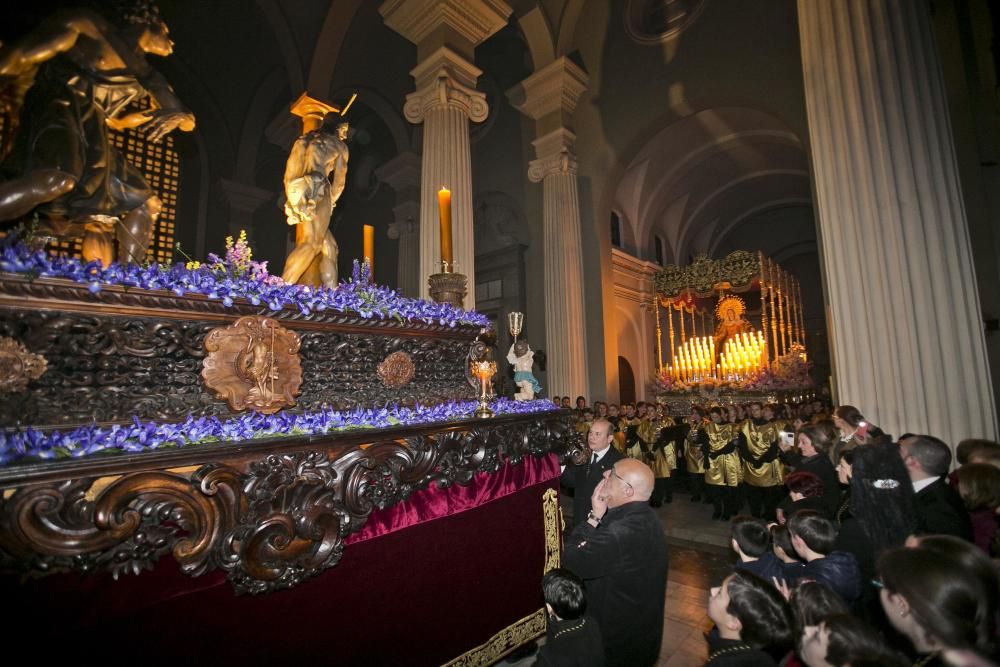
<point>420,584</point>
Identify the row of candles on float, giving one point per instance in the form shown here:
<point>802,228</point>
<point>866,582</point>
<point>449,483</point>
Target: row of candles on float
<point>743,356</point>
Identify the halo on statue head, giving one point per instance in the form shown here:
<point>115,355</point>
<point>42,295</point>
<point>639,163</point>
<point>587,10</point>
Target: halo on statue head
<point>730,302</point>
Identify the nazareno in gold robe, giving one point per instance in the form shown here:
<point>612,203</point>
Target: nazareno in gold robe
<point>663,459</point>
<point>724,469</point>
<point>692,450</point>
<point>762,467</point>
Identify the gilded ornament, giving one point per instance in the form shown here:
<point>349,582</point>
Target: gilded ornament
<point>253,365</point>
<point>396,370</point>
<point>703,276</point>
<point>18,366</point>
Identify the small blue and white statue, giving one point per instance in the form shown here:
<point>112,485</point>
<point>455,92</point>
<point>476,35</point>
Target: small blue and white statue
<point>522,358</point>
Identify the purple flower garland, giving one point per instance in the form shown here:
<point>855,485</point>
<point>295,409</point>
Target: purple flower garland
<point>139,436</point>
<point>357,295</point>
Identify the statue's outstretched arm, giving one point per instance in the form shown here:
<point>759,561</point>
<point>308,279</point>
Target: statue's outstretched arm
<point>56,35</point>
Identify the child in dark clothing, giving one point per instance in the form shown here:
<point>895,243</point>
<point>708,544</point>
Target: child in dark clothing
<point>813,536</point>
<point>572,639</point>
<point>751,541</point>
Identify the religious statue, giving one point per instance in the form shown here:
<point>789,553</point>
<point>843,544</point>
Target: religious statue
<point>522,358</point>
<point>315,175</point>
<point>729,312</point>
<point>72,78</point>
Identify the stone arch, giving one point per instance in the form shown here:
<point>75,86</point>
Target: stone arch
<point>331,37</point>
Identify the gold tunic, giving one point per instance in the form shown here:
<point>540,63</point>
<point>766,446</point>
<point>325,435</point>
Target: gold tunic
<point>635,451</point>
<point>724,469</point>
<point>664,460</point>
<point>692,451</point>
<point>759,440</point>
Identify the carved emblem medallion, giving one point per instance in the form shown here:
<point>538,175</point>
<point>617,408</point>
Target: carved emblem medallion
<point>18,367</point>
<point>253,365</point>
<point>396,370</point>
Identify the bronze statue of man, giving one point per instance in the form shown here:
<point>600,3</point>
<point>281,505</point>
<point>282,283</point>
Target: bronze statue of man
<point>315,175</point>
<point>82,74</point>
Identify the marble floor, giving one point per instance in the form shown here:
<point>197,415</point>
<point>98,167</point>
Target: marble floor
<point>700,558</point>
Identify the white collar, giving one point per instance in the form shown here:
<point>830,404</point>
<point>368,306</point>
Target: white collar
<point>924,483</point>
<point>600,454</point>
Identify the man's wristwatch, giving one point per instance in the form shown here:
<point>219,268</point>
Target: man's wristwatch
<point>591,515</point>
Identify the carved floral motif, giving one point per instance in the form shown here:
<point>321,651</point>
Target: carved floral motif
<point>18,366</point>
<point>396,370</point>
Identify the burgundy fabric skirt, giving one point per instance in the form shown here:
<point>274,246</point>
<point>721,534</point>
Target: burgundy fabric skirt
<point>422,583</point>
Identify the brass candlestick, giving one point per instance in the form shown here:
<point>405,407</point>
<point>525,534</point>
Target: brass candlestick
<point>448,286</point>
<point>483,370</point>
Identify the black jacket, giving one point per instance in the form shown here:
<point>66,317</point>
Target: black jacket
<point>940,511</point>
<point>838,571</point>
<point>584,479</point>
<point>623,563</point>
<point>765,567</point>
<point>734,653</point>
<point>819,465</point>
<point>575,643</point>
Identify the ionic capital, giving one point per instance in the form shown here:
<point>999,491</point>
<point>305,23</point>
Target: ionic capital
<point>555,155</point>
<point>445,80</point>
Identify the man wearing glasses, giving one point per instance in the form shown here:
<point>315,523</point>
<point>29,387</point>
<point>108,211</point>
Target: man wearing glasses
<point>621,554</point>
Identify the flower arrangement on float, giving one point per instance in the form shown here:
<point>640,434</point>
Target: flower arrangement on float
<point>235,277</point>
<point>141,436</point>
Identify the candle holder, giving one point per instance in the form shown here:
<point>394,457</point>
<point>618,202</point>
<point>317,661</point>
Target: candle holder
<point>448,287</point>
<point>516,323</point>
<point>484,370</point>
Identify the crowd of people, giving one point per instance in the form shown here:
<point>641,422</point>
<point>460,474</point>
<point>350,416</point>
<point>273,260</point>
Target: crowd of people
<point>852,547</point>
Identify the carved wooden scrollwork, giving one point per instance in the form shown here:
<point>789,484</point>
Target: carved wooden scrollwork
<point>292,529</point>
<point>269,524</point>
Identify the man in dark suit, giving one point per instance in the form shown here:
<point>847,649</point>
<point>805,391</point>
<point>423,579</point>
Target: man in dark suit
<point>621,555</point>
<point>583,479</point>
<point>940,510</point>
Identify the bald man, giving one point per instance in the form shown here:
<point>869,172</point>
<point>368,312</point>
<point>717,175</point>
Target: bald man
<point>621,554</point>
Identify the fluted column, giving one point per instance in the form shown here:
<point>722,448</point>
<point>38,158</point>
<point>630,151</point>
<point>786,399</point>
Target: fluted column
<point>565,332</point>
<point>549,96</point>
<point>446,32</point>
<point>405,230</point>
<point>907,330</point>
<point>402,174</point>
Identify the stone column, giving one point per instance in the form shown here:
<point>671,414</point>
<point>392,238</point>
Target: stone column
<point>446,33</point>
<point>402,174</point>
<point>244,200</point>
<point>549,96</point>
<point>906,326</point>
<point>405,229</point>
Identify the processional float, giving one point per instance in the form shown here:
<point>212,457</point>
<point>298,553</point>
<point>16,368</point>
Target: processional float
<point>287,460</point>
<point>729,329</point>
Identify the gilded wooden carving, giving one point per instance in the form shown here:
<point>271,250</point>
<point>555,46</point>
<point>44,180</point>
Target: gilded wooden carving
<point>18,366</point>
<point>269,524</point>
<point>111,368</point>
<point>703,276</point>
<point>396,370</point>
<point>253,364</point>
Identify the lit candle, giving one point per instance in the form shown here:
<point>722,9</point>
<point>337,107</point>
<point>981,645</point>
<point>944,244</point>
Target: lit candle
<point>370,250</point>
<point>444,205</point>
